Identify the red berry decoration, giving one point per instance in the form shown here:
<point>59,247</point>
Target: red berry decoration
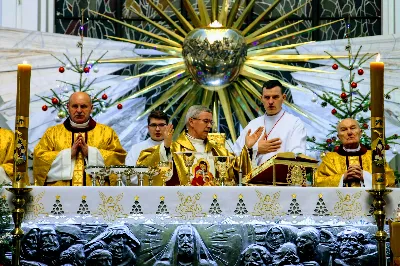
<point>335,66</point>
<point>336,149</point>
<point>54,100</point>
<point>44,108</point>
<point>353,85</point>
<point>343,95</point>
<point>119,106</point>
<point>86,69</point>
<point>365,125</point>
<point>387,147</point>
<point>104,96</point>
<point>360,72</point>
<point>333,111</point>
<point>328,141</point>
<point>61,69</point>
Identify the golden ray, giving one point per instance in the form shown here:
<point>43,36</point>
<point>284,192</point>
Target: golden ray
<point>162,28</point>
<point>280,67</point>
<point>233,13</point>
<point>277,21</point>
<point>260,17</point>
<point>207,98</point>
<point>189,97</point>
<point>272,50</point>
<point>214,10</point>
<point>256,107</point>
<point>155,36</point>
<point>298,110</point>
<point>298,32</point>
<point>253,73</point>
<point>250,88</point>
<point>262,36</point>
<point>192,14</point>
<point>222,17</point>
<point>205,19</point>
<point>181,18</point>
<point>157,83</point>
<point>241,100</point>
<point>165,96</point>
<point>238,111</point>
<point>160,70</point>
<point>244,15</point>
<point>179,95</point>
<point>223,97</point>
<point>165,60</point>
<point>167,49</point>
<point>293,58</point>
<point>166,17</point>
<point>181,123</point>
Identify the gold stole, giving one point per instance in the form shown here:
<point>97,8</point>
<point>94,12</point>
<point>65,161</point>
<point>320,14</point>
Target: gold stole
<point>78,173</point>
<point>354,160</point>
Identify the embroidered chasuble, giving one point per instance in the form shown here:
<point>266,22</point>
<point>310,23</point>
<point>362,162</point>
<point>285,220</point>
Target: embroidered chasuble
<point>6,155</point>
<point>335,164</point>
<point>52,163</point>
<point>203,162</point>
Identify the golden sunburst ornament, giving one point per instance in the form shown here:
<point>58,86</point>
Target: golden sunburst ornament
<point>213,60</point>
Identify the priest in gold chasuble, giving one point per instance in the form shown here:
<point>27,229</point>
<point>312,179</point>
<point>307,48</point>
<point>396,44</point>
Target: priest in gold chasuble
<point>198,124</point>
<point>60,157</point>
<point>351,164</point>
<point>6,155</point>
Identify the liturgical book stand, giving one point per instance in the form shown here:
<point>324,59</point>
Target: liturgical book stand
<point>284,169</point>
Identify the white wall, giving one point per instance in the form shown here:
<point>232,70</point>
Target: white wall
<point>390,17</point>
<point>35,15</point>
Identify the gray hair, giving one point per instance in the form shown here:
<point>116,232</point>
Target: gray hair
<point>194,112</point>
<point>348,118</point>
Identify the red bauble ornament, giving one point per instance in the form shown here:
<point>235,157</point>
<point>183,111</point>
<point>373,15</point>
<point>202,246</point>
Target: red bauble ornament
<point>333,111</point>
<point>61,69</point>
<point>328,141</point>
<point>44,108</point>
<point>335,66</point>
<point>119,106</point>
<point>387,147</point>
<point>365,125</point>
<point>336,149</point>
<point>353,85</point>
<point>54,100</point>
<point>86,69</point>
<point>360,72</point>
<point>343,95</point>
<point>104,96</point>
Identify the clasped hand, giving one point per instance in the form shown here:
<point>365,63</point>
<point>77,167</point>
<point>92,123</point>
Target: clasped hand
<point>264,145</point>
<point>354,173</point>
<point>79,145</point>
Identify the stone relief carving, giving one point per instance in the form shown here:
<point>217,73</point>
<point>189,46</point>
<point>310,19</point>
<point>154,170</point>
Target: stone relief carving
<point>201,244</point>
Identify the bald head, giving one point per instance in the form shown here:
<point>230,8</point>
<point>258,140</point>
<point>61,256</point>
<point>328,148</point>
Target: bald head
<point>349,133</point>
<point>80,107</point>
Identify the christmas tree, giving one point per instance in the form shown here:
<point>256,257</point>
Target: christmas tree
<point>241,206</point>
<point>162,207</point>
<point>294,208</point>
<point>60,96</point>
<point>350,102</point>
<point>137,209</point>
<point>215,208</point>
<point>83,207</point>
<point>320,208</point>
<point>5,226</point>
<point>57,207</point>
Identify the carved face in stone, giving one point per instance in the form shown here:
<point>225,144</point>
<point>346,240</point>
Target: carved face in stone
<point>100,257</point>
<point>186,242</point>
<point>275,238</point>
<point>350,246</point>
<point>306,243</point>
<point>30,244</point>
<point>117,247</point>
<point>48,241</point>
<point>255,255</point>
<point>286,255</point>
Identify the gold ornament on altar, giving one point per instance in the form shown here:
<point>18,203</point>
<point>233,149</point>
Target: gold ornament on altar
<point>296,175</point>
<point>221,62</point>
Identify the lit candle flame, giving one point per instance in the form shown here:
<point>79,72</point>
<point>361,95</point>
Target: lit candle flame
<point>24,62</point>
<point>215,24</point>
<point>378,58</point>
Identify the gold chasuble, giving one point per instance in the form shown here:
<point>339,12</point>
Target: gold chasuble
<point>61,137</point>
<point>335,164</point>
<point>7,151</point>
<point>151,157</point>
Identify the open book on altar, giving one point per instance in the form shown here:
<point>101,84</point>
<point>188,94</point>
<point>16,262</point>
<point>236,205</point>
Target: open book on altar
<point>283,169</point>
